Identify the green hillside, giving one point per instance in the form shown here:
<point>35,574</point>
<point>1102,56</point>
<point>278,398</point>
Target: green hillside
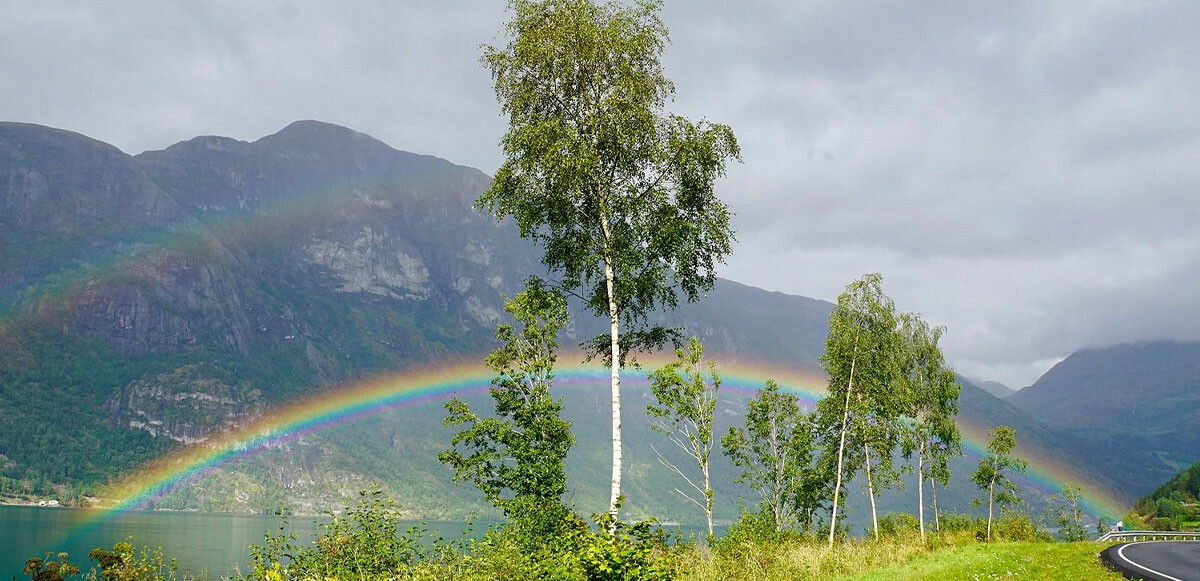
<point>1173,506</point>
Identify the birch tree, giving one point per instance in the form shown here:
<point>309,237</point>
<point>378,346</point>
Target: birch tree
<point>775,451</point>
<point>517,457</point>
<point>686,401</point>
<point>931,397</point>
<point>859,358</point>
<point>1065,513</point>
<point>619,194</point>
<point>992,474</point>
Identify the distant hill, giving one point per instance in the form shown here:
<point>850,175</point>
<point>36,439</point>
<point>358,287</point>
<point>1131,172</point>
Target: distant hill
<point>996,388</point>
<point>1143,395</point>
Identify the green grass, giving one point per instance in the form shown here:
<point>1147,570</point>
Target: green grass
<point>1001,561</point>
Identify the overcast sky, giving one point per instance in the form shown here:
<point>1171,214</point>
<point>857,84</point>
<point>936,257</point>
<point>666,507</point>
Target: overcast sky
<point>1024,173</point>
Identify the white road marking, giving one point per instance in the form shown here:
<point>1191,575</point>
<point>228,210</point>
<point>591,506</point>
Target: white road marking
<point>1121,553</point>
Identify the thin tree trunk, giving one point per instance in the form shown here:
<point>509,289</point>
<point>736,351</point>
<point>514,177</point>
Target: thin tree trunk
<point>780,466</point>
<point>937,523</point>
<point>708,501</point>
<point>614,335</point>
<point>871,491</point>
<point>921,490</point>
<point>991,489</point>
<point>837,488</point>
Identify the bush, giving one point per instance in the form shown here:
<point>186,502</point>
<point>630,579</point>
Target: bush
<point>1019,527</point>
<point>1162,523</point>
<point>123,563</point>
<point>631,552</point>
<point>899,524</point>
<point>752,527</point>
<point>49,569</point>
<point>953,522</point>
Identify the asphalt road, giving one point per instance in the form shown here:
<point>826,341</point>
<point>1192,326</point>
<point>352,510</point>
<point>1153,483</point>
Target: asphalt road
<point>1156,560</point>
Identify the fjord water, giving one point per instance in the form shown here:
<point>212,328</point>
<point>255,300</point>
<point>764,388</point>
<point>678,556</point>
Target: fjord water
<point>203,543</point>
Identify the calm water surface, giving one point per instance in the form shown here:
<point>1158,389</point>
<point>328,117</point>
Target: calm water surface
<point>203,543</point>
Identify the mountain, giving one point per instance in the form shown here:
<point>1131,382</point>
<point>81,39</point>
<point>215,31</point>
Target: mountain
<point>996,388</point>
<point>149,301</point>
<point>153,299</point>
<point>1144,396</point>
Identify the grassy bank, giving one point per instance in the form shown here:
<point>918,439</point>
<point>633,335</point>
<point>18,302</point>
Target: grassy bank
<point>1001,561</point>
<point>957,556</point>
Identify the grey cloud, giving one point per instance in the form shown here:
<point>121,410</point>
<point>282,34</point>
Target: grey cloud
<point>1022,172</point>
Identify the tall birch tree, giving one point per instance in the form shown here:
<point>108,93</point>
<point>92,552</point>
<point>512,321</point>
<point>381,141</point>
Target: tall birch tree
<point>619,193</point>
<point>686,401</point>
<point>859,358</point>
<point>931,397</point>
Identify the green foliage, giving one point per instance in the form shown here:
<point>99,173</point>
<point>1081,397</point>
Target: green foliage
<point>124,563</point>
<point>992,474</point>
<point>594,171</point>
<point>954,522</point>
<point>619,195</point>
<point>52,568</point>
<point>931,398</point>
<point>898,524</point>
<point>630,552</point>
<point>518,455</point>
<point>364,542</point>
<point>775,451</point>
<point>683,413</point>
<point>1016,526</point>
<point>863,403</point>
<point>1065,514</point>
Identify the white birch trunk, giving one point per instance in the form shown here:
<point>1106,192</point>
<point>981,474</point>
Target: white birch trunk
<point>937,523</point>
<point>837,488</point>
<point>991,489</point>
<point>921,490</point>
<point>708,500</point>
<point>871,491</point>
<point>614,335</point>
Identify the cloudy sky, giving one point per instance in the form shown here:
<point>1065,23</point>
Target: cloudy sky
<point>1024,173</point>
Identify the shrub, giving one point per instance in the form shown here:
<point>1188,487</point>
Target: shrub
<point>953,522</point>
<point>49,569</point>
<point>1162,523</point>
<point>630,552</point>
<point>752,527</point>
<point>1019,527</point>
<point>899,524</point>
<point>123,563</point>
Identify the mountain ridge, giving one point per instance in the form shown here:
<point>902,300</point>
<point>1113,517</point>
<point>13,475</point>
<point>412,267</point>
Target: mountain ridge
<point>299,261</point>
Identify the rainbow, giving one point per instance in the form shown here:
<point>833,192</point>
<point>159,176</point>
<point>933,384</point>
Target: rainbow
<point>141,489</point>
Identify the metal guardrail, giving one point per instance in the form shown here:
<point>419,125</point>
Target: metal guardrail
<point>1149,536</point>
